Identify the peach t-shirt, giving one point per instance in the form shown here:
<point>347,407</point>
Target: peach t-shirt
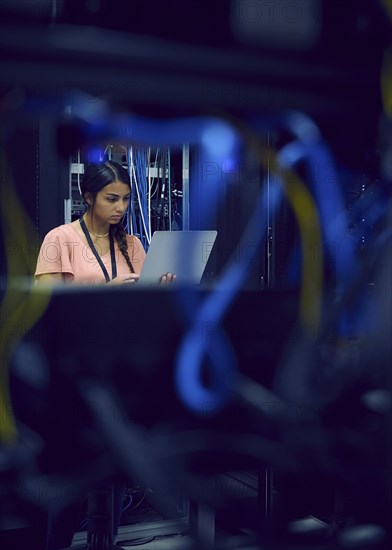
<point>64,251</point>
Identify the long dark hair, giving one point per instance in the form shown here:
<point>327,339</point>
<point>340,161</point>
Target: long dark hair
<point>96,177</point>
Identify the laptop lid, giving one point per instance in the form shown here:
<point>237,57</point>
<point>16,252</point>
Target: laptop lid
<point>183,253</point>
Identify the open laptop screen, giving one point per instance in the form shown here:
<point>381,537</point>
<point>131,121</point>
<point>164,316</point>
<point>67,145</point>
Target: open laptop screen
<point>183,253</point>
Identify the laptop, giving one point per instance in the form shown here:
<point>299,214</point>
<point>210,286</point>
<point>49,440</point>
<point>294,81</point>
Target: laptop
<point>183,253</point>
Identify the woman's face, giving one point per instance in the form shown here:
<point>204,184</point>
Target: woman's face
<point>111,202</point>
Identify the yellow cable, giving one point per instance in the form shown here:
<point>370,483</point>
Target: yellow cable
<point>386,81</point>
<point>388,7</point>
<point>306,214</point>
<point>21,307</point>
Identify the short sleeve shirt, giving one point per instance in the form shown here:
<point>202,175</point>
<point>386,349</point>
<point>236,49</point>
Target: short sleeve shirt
<point>64,251</point>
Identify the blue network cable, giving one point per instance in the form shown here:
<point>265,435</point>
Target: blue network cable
<point>197,344</point>
<point>219,144</point>
<point>139,225</point>
<point>309,148</point>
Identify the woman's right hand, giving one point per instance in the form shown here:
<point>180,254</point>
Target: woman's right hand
<point>129,278</point>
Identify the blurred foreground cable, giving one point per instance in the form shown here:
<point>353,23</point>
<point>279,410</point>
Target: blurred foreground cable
<point>306,215</point>
<point>20,307</point>
<point>128,444</point>
<point>194,348</point>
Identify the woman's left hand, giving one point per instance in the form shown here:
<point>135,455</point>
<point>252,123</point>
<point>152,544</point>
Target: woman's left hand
<point>167,279</point>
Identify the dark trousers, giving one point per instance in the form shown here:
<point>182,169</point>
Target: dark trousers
<point>63,524</point>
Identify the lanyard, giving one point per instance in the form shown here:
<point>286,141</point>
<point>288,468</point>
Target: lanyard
<point>112,255</point>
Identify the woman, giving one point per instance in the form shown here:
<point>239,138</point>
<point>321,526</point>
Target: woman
<point>95,249</point>
<point>92,250</point>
